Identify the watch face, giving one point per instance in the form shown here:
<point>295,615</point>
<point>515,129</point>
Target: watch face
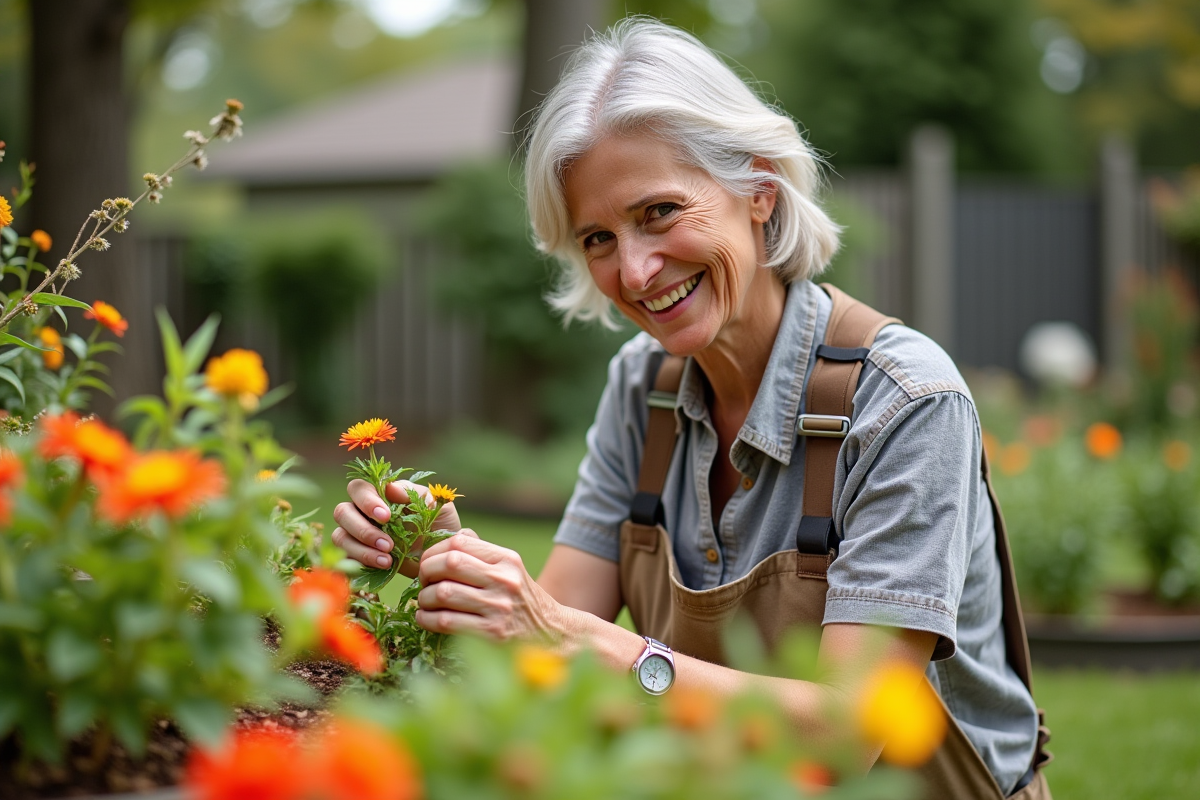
<point>656,674</point>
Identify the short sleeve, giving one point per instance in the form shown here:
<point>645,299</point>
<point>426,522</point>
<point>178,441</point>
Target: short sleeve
<point>608,474</point>
<point>908,517</point>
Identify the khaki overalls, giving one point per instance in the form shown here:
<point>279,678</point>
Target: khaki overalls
<point>789,587</point>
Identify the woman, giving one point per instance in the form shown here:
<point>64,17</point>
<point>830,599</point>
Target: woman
<point>672,193</point>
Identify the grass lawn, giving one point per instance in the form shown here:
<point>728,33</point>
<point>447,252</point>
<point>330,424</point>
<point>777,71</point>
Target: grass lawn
<point>1116,735</point>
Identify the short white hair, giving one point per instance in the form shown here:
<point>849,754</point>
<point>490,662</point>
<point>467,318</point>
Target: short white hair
<point>643,75</point>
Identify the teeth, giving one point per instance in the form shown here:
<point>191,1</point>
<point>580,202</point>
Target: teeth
<point>670,299</point>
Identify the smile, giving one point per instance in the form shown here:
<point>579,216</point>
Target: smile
<point>674,296</point>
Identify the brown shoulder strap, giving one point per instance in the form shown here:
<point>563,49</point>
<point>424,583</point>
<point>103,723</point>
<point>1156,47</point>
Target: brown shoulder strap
<point>660,442</point>
<point>829,408</point>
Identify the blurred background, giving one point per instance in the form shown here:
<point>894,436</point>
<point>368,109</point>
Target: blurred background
<point>1019,179</point>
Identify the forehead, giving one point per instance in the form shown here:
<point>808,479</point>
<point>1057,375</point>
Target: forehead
<point>620,170</point>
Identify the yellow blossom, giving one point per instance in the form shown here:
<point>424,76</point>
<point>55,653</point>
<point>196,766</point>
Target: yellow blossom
<point>368,433</point>
<point>541,668</point>
<point>41,240</point>
<point>5,213</point>
<point>443,493</point>
<point>52,358</point>
<point>266,475</point>
<point>899,708</point>
<point>238,373</point>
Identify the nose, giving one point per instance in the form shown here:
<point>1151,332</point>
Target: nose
<point>639,263</point>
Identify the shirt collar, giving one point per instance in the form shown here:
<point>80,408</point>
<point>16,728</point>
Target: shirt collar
<point>770,426</point>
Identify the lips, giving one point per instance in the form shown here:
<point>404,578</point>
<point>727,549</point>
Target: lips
<point>674,296</point>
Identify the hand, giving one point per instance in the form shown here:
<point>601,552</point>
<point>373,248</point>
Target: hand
<point>473,586</point>
<point>362,539</point>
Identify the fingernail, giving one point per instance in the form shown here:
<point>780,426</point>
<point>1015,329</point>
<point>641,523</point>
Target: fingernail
<point>383,544</point>
<point>382,561</point>
<point>381,514</point>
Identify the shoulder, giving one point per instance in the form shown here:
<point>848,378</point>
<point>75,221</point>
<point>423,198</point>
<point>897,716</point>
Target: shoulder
<point>905,369</point>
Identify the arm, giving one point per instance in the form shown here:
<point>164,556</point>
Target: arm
<point>473,586</point>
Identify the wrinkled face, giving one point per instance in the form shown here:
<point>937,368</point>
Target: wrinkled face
<point>674,251</point>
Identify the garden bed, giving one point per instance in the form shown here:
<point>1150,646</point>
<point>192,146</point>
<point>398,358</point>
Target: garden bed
<point>1136,633</point>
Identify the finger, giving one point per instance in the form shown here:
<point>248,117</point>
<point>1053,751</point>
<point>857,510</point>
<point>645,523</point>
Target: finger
<point>367,556</point>
<point>455,565</point>
<point>348,516</point>
<point>367,500</point>
<point>454,596</point>
<point>468,541</point>
<point>454,622</point>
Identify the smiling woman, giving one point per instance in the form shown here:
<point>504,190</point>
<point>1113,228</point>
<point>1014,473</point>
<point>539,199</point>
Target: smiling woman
<point>765,448</point>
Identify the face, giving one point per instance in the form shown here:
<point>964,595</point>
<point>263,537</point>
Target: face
<point>669,246</point>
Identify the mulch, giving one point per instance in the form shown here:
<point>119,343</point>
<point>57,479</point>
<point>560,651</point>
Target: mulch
<point>166,751</point>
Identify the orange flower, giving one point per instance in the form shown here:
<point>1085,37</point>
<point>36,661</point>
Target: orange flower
<point>1015,458</point>
<point>108,316</point>
<point>238,373</point>
<point>1041,430</point>
<point>52,358</point>
<point>691,709</point>
<point>359,760</point>
<point>899,708</point>
<point>811,777</point>
<point>350,642</point>
<point>41,240</point>
<point>328,591</point>
<point>442,493</point>
<point>101,449</point>
<point>160,480</point>
<point>253,764</point>
<point>5,213</point>
<point>367,433</point>
<point>1103,440</point>
<point>12,473</point>
<point>991,446</point>
<point>1177,455</point>
<point>541,668</point>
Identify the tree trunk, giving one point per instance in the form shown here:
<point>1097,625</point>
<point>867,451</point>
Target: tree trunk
<point>80,133</point>
<point>552,28</point>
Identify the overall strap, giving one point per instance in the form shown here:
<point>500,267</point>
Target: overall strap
<point>647,508</point>
<point>829,408</point>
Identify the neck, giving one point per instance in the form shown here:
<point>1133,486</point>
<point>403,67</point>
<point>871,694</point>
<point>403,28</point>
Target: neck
<point>737,359</point>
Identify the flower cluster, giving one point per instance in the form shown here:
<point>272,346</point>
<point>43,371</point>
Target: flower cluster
<point>239,375</point>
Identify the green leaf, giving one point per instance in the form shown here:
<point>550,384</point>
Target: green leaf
<point>9,355</point>
<point>202,718</point>
<point>130,729</point>
<point>200,343</point>
<point>373,580</point>
<point>8,375</point>
<point>76,344</point>
<point>213,580</point>
<point>274,396</point>
<point>96,383</point>
<point>76,711</point>
<point>139,620</point>
<point>48,299</point>
<point>417,477</point>
<point>8,338</point>
<point>69,655</point>
<point>152,407</point>
<point>172,349</point>
<point>19,617</point>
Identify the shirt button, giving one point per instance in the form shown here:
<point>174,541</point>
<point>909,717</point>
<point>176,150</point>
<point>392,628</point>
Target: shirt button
<point>747,483</point>
<point>712,555</point>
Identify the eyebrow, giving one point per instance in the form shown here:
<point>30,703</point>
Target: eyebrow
<point>629,209</point>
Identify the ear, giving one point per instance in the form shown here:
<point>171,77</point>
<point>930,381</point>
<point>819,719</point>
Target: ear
<point>762,203</point>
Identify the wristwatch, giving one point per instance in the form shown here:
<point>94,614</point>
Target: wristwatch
<point>655,667</point>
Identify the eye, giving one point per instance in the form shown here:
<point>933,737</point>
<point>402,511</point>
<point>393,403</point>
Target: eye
<point>599,237</point>
<point>661,210</point>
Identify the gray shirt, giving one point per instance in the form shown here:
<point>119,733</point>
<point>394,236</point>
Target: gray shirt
<point>918,541</point>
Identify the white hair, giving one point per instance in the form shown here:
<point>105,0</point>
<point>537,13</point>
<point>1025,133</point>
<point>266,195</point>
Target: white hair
<point>645,75</point>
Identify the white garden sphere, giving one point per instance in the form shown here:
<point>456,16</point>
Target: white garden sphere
<point>1058,353</point>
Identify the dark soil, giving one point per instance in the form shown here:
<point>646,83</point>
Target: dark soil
<point>81,773</point>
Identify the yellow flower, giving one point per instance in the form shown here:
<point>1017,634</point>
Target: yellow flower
<point>541,668</point>
<point>52,358</point>
<point>443,493</point>
<point>238,373</point>
<point>899,708</point>
<point>368,433</point>
<point>41,240</point>
<point>5,213</point>
<point>265,475</point>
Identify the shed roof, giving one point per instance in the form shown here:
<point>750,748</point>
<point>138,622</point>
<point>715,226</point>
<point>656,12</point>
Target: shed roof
<point>403,128</point>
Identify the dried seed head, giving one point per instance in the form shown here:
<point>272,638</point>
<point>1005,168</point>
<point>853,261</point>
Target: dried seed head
<point>196,137</point>
<point>68,271</point>
<point>166,181</point>
<point>98,214</point>
<point>234,106</point>
<point>28,307</point>
<point>154,197</point>
<point>121,225</point>
<point>201,160</point>
<point>152,180</point>
<point>123,203</point>
<point>99,243</point>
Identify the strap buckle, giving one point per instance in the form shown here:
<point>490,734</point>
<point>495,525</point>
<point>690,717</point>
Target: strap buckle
<point>657,399</point>
<point>823,425</point>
